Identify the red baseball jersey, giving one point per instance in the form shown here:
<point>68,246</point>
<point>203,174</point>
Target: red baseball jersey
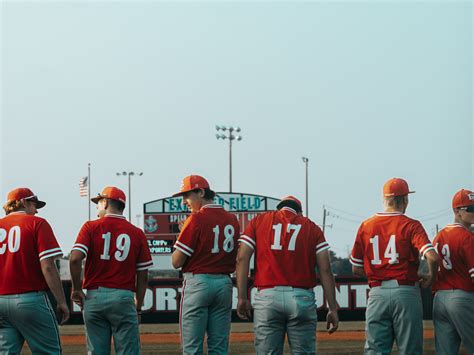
<point>25,240</point>
<point>455,246</point>
<point>285,245</point>
<point>388,246</point>
<point>209,239</point>
<point>115,250</point>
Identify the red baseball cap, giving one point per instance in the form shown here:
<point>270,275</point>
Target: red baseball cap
<point>289,198</point>
<point>114,193</point>
<point>396,187</point>
<point>24,193</point>
<point>192,182</point>
<point>463,198</point>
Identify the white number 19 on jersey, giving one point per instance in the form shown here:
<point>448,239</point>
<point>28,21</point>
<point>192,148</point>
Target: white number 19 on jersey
<point>123,247</point>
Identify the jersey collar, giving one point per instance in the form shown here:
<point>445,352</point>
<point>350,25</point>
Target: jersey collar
<point>457,225</point>
<point>211,205</point>
<point>115,215</point>
<point>288,209</point>
<point>17,212</point>
<point>389,214</point>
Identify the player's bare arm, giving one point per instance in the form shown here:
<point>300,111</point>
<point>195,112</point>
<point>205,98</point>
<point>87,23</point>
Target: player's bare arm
<point>329,287</point>
<point>178,258</point>
<point>359,271</point>
<point>51,275</point>
<point>427,280</point>
<point>75,267</point>
<point>244,310</point>
<point>142,282</point>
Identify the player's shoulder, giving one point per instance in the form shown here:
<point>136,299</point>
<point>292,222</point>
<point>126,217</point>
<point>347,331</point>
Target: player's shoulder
<point>314,225</point>
<point>267,216</point>
<point>371,220</point>
<point>455,230</point>
<point>307,222</point>
<point>37,220</point>
<point>29,217</point>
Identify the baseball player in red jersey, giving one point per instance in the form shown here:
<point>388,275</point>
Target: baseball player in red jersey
<point>287,247</point>
<point>117,263</point>
<point>387,250</point>
<point>453,305</point>
<point>28,248</point>
<point>205,250</point>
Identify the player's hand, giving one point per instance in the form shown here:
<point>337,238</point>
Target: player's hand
<point>332,321</point>
<point>78,297</point>
<point>244,309</point>
<point>425,280</point>
<point>63,312</point>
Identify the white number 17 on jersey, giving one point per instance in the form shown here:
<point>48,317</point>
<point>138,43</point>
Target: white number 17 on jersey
<point>277,237</point>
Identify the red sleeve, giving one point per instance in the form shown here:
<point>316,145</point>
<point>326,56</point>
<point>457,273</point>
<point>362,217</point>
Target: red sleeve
<point>321,243</point>
<point>187,239</point>
<point>250,234</point>
<point>419,239</point>
<point>83,239</point>
<point>144,261</point>
<point>468,253</point>
<point>436,242</point>
<point>46,241</point>
<point>357,255</point>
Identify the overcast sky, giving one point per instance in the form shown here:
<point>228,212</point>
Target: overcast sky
<point>366,90</point>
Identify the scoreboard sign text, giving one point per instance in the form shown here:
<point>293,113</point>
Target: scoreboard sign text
<point>162,217</point>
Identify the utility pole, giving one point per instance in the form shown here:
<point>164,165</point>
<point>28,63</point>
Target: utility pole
<point>305,161</point>
<point>324,218</point>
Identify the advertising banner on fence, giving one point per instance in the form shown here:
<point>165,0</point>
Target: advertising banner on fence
<point>163,297</point>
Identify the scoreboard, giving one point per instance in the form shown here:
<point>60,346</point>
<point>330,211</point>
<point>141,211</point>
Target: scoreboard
<point>161,217</point>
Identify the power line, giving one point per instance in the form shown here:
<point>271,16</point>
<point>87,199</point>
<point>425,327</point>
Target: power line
<point>345,230</point>
<point>332,214</point>
<point>434,214</point>
<point>345,212</point>
<point>434,217</point>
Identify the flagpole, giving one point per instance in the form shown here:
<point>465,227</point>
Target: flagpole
<point>89,189</point>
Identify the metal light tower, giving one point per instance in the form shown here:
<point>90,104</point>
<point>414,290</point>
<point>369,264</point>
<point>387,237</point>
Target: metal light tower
<point>130,174</point>
<point>305,161</point>
<point>228,133</point>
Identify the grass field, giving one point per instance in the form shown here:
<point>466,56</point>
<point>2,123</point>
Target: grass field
<point>164,339</point>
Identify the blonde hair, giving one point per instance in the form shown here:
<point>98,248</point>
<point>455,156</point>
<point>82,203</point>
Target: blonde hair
<point>12,206</point>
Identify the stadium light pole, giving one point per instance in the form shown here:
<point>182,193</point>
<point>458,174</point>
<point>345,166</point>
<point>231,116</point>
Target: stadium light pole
<point>305,161</point>
<point>228,133</point>
<point>130,174</point>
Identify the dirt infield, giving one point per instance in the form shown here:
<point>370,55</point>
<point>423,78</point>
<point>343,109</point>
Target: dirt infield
<point>164,339</point>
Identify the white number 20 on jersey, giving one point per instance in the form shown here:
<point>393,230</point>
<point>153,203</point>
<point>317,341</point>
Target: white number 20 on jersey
<point>14,239</point>
<point>123,247</point>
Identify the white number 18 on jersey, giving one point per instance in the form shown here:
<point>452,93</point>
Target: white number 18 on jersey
<point>228,244</point>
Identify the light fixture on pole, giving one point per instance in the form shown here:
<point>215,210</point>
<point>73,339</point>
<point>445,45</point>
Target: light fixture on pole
<point>130,174</point>
<point>305,161</point>
<point>228,133</point>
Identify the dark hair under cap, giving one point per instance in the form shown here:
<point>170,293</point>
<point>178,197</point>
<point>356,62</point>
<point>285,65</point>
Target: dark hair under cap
<point>291,204</point>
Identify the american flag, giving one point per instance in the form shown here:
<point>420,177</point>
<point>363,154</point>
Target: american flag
<point>84,186</point>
